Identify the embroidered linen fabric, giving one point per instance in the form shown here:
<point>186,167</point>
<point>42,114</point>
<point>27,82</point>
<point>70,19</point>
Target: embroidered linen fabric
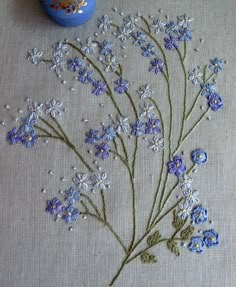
<point>35,250</point>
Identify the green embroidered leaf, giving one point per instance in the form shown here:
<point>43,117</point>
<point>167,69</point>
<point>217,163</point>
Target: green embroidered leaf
<point>177,222</point>
<point>173,247</point>
<point>187,232</point>
<point>148,258</point>
<point>154,238</point>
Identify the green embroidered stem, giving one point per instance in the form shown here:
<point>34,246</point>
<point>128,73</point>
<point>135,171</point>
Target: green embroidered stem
<point>145,249</point>
<point>192,129</point>
<point>134,156</point>
<point>124,148</point>
<point>110,94</point>
<point>109,227</point>
<point>185,96</point>
<point>43,130</point>
<point>162,165</point>
<point>132,103</point>
<point>198,96</point>
<point>163,190</point>
<point>103,205</point>
<point>47,136</point>
<point>50,126</point>
<point>84,206</point>
<point>91,203</point>
<point>185,50</point>
<point>147,24</point>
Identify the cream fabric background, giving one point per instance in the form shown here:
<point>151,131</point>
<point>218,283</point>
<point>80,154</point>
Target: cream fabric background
<point>37,252</point>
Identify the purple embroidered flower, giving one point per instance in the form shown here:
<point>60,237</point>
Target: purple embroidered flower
<point>72,195</point>
<point>199,156</point>
<point>208,89</point>
<point>199,215</point>
<point>75,64</point>
<point>171,43</point>
<point>28,136</point>
<point>92,136</point>
<point>99,88</point>
<point>105,48</point>
<point>196,245</point>
<point>14,136</point>
<point>176,166</point>
<point>149,50</point>
<point>54,206</point>
<point>139,38</point>
<point>71,214</point>
<point>216,65</point>
<point>109,134</point>
<point>172,29</point>
<point>211,238</point>
<point>215,102</point>
<point>103,151</point>
<point>153,126</point>
<point>85,76</point>
<point>138,128</point>
<point>157,66</point>
<point>121,85</point>
<point>185,35</point>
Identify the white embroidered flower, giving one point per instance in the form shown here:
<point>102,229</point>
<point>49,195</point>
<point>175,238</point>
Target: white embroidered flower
<point>191,196</point>
<point>104,23</point>
<point>147,111</point>
<point>185,182</point>
<point>60,49</point>
<point>184,21</point>
<point>89,47</point>
<point>58,65</point>
<point>158,26</point>
<point>195,76</point>
<point>35,56</point>
<point>131,21</point>
<point>156,144</point>
<point>145,92</point>
<point>123,33</point>
<point>100,181</point>
<point>184,210</point>
<point>36,109</point>
<point>110,63</point>
<point>54,108</point>
<point>122,124</point>
<point>82,181</point>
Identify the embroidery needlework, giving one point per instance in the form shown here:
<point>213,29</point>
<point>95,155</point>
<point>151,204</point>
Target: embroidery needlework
<point>147,127</point>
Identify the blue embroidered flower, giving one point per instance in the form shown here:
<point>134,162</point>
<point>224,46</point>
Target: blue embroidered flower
<point>28,136</point>
<point>199,156</point>
<point>138,128</point>
<point>74,64</point>
<point>103,151</point>
<point>211,238</point>
<point>31,120</point>
<point>85,76</point>
<point>54,206</point>
<point>199,215</point>
<point>216,65</point>
<point>121,85</point>
<point>109,134</point>
<point>172,29</point>
<point>14,136</point>
<point>191,196</point>
<point>149,50</point>
<point>184,210</point>
<point>139,38</point>
<point>105,48</point>
<point>171,43</point>
<point>99,88</point>
<point>196,245</point>
<point>153,126</point>
<point>185,35</point>
<point>72,195</point>
<point>208,89</point>
<point>176,166</point>
<point>157,66</point>
<point>92,136</point>
<point>215,102</point>
<point>70,214</point>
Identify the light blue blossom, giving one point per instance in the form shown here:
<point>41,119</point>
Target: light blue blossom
<point>89,47</point>
<point>72,195</point>
<point>184,210</point>
<point>196,245</point>
<point>216,65</point>
<point>208,89</point>
<point>211,238</point>
<point>139,38</point>
<point>60,49</point>
<point>199,215</point>
<point>85,76</point>
<point>35,56</point>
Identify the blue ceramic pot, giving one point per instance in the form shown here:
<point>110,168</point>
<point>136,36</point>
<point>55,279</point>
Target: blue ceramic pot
<point>69,13</point>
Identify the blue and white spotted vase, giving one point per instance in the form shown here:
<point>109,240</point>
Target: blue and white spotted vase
<point>69,13</point>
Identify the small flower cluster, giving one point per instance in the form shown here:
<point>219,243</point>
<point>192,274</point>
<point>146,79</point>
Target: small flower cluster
<point>151,127</point>
<point>26,132</point>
